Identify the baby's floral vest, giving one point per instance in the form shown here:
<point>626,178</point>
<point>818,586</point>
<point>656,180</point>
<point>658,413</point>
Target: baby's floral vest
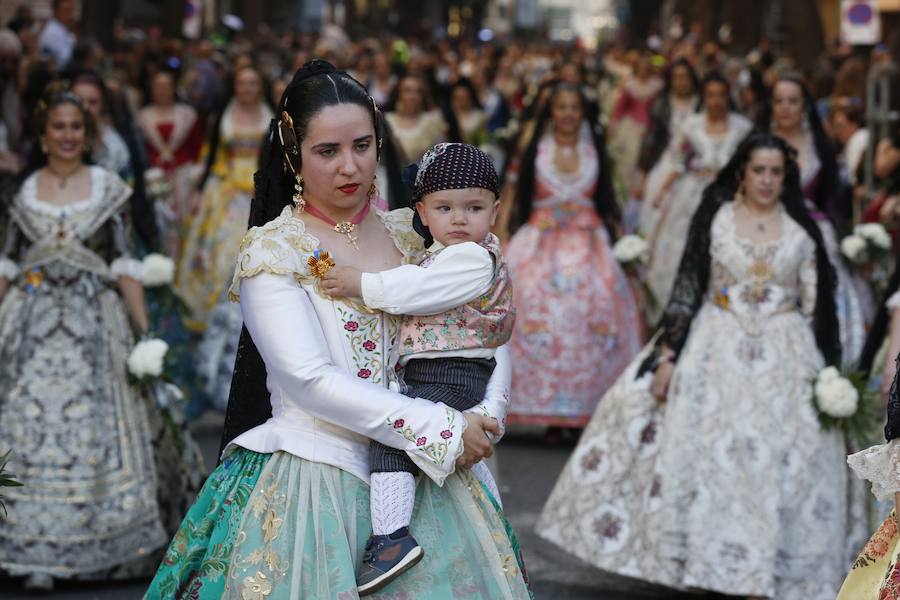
<point>486,322</point>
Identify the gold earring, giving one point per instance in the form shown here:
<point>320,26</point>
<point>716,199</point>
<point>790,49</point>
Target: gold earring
<point>299,202</point>
<point>373,189</point>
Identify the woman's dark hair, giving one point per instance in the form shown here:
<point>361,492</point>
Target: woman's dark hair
<point>143,214</point>
<point>314,87</point>
<point>604,196</point>
<point>825,196</point>
<point>712,78</point>
<point>875,337</point>
<point>681,63</point>
<point>428,98</point>
<point>692,280</point>
<point>466,84</point>
<point>56,95</point>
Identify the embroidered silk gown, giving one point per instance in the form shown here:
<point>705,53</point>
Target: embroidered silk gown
<point>286,514</point>
<point>79,433</point>
<point>578,323</point>
<point>730,485</point>
<point>696,156</point>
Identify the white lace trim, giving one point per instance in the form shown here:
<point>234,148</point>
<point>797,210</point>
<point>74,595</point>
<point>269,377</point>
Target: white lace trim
<point>127,267</point>
<point>893,302</point>
<point>879,465</point>
<point>47,209</point>
<point>8,269</point>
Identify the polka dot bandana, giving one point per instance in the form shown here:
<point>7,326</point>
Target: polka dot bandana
<point>455,167</point>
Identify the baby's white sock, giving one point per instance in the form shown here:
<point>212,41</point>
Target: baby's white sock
<point>392,496</point>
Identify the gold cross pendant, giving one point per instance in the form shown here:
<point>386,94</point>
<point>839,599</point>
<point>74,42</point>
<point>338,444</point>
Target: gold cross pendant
<point>347,229</point>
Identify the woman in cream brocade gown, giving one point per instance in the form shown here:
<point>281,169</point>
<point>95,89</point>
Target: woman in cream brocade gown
<point>730,484</point>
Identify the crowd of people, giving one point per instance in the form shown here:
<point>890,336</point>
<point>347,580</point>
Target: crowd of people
<point>702,460</point>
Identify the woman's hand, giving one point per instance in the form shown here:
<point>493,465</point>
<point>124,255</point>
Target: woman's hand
<point>342,282</point>
<point>476,444</point>
<point>660,386</point>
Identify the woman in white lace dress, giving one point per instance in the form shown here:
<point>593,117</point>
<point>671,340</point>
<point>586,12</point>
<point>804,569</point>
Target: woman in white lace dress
<point>701,146</point>
<point>722,479</point>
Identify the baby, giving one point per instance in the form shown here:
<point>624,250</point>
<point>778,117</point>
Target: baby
<point>458,309</point>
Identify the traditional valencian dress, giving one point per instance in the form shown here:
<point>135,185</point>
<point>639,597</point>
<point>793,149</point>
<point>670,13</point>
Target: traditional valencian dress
<point>730,485</point>
<point>79,433</point>
<point>173,145</point>
<point>213,240</point>
<point>429,129</point>
<point>875,574</point>
<point>696,157</point>
<point>286,514</point>
<point>578,324</point>
<point>220,223</point>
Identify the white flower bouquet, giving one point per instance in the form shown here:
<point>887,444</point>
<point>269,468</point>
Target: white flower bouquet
<point>869,242</point>
<point>158,270</point>
<point>6,479</point>
<point>147,360</point>
<point>631,250</point>
<point>158,187</point>
<point>843,401</point>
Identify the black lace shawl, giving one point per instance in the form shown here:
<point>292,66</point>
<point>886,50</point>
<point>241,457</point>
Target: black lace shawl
<point>892,428</point>
<point>692,280</point>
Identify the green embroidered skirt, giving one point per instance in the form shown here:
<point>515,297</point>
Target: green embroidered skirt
<point>275,526</point>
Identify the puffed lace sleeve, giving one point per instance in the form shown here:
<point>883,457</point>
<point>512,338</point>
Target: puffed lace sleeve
<point>879,465</point>
<point>893,303</point>
<point>283,323</point>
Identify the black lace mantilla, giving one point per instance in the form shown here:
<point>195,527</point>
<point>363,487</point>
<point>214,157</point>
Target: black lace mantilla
<point>892,428</point>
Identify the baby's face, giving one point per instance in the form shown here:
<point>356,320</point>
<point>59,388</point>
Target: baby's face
<point>456,216</point>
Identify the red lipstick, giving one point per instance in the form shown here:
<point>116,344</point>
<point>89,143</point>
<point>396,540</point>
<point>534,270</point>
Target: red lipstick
<point>350,188</point>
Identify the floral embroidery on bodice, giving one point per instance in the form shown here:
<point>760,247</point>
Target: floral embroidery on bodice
<point>486,322</point>
<point>369,339</point>
<point>757,280</point>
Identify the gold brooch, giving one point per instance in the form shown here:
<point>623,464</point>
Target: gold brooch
<point>721,299</point>
<point>320,263</point>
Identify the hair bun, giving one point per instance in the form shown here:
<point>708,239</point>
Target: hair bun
<point>313,68</point>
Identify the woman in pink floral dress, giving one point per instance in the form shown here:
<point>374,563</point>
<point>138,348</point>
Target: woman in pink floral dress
<point>579,323</point>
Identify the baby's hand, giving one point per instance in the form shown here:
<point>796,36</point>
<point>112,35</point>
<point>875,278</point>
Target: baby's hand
<point>342,282</point>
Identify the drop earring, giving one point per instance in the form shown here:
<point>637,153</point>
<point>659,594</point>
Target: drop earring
<point>373,189</point>
<point>299,202</point>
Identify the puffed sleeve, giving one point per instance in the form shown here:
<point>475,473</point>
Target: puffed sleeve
<point>281,320</point>
<point>880,465</point>
<point>459,274</point>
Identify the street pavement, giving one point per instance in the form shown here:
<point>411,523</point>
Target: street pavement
<point>527,470</point>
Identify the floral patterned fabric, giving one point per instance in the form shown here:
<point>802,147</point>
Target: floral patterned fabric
<point>277,526</point>
<point>875,574</point>
<point>577,322</point>
<point>80,434</point>
<point>730,485</point>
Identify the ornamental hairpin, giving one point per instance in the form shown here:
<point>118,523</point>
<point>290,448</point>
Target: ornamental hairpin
<point>288,138</point>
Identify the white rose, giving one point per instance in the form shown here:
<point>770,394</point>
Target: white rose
<point>153,174</point>
<point>147,358</point>
<point>874,233</point>
<point>854,248</point>
<point>630,248</point>
<point>158,270</point>
<point>837,398</point>
<point>828,374</point>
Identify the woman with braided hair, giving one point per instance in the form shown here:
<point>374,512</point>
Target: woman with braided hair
<point>286,513</point>
<point>712,471</point>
